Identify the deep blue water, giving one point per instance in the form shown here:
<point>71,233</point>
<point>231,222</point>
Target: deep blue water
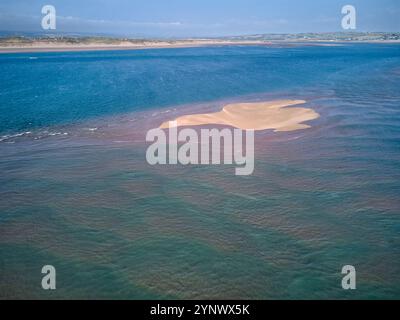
<point>115,227</point>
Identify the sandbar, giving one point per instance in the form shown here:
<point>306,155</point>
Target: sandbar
<point>277,115</point>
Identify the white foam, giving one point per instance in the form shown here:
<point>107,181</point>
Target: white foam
<point>16,135</point>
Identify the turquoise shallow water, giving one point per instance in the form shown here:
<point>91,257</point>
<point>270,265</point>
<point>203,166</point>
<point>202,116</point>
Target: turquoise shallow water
<point>77,193</point>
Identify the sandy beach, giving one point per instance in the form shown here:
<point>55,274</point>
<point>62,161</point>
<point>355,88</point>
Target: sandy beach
<point>60,46</point>
<point>65,46</point>
<point>273,115</point>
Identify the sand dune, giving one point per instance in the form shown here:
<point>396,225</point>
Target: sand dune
<point>257,116</point>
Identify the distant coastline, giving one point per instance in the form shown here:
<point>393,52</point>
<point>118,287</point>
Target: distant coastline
<point>49,43</point>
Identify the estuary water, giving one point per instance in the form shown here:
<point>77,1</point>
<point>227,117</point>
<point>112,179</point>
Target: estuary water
<point>77,193</point>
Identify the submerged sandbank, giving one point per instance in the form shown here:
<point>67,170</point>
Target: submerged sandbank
<point>256,115</point>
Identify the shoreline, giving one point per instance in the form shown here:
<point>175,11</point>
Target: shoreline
<point>51,47</point>
<point>40,46</point>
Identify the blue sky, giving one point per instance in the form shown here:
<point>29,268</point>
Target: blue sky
<point>182,18</point>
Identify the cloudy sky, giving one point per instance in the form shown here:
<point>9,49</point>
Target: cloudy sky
<point>183,18</point>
